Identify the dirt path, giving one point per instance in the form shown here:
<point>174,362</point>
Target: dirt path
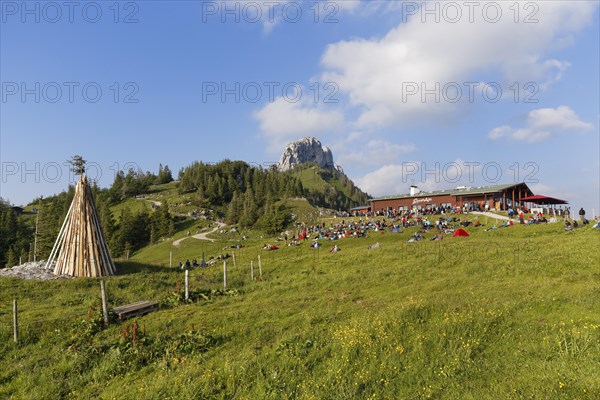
<point>491,215</point>
<point>201,236</point>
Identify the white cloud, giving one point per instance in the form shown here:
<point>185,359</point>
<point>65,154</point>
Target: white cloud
<point>529,135</point>
<point>541,188</point>
<point>272,14</point>
<point>269,14</point>
<point>376,152</point>
<point>282,120</point>
<point>389,179</point>
<point>396,178</point>
<point>541,124</point>
<point>346,5</point>
<point>375,73</point>
<point>500,132</point>
<point>354,136</point>
<point>563,118</point>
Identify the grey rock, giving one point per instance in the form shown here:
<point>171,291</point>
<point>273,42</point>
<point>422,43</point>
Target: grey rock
<point>308,149</point>
<point>32,270</point>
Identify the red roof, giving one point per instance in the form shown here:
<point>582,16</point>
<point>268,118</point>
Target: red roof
<point>540,199</point>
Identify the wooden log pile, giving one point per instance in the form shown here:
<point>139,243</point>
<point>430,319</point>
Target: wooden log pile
<point>81,249</point>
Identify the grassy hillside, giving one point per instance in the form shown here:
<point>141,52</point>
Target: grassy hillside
<point>330,183</point>
<point>505,314</point>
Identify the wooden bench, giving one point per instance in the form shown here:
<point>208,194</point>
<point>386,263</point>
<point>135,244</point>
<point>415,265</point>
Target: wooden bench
<point>136,309</point>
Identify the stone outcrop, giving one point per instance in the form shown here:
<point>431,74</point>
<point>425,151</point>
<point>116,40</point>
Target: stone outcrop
<point>306,150</point>
<point>32,270</point>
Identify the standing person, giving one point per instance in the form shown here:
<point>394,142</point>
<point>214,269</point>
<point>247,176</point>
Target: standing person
<point>521,217</point>
<point>582,214</point>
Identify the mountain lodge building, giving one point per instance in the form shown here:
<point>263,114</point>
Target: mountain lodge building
<point>498,197</point>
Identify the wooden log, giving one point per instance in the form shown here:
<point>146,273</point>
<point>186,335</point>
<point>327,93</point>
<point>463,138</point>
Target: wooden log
<point>138,308</point>
<point>60,238</point>
<point>81,246</point>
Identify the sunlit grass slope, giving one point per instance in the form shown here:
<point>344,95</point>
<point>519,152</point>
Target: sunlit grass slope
<point>507,314</point>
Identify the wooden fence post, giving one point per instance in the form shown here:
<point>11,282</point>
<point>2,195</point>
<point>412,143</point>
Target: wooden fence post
<point>259,267</point>
<point>104,305</point>
<point>15,322</point>
<point>251,271</point>
<point>224,275</point>
<point>233,255</point>
<point>187,287</point>
<point>170,259</point>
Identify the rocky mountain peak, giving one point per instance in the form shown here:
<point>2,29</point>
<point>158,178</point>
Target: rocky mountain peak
<point>308,149</point>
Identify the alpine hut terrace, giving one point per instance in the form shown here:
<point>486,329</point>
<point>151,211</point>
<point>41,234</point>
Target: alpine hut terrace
<point>498,197</point>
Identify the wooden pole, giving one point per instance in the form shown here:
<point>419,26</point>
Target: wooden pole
<point>251,271</point>
<point>15,322</point>
<point>59,240</point>
<point>170,259</point>
<point>104,305</point>
<point>224,275</point>
<point>259,267</point>
<point>35,236</point>
<point>187,285</point>
<point>233,255</point>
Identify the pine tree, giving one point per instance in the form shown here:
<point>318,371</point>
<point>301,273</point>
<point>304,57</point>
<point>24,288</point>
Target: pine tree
<point>11,259</point>
<point>107,222</point>
<point>164,175</point>
<point>49,220</point>
<point>23,255</point>
<point>117,186</point>
<point>162,225</point>
<point>276,219</point>
<point>122,234</point>
<point>250,211</point>
<point>233,210</point>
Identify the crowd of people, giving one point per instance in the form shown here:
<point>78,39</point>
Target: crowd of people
<point>440,221</point>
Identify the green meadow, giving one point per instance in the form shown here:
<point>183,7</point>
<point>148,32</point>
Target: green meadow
<point>512,313</point>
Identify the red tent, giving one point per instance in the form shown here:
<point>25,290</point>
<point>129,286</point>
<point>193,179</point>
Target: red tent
<point>460,232</point>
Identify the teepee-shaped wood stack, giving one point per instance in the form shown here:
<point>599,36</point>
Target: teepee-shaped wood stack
<point>80,249</point>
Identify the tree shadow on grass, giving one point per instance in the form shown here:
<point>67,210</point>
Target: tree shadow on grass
<point>131,267</point>
<point>186,224</point>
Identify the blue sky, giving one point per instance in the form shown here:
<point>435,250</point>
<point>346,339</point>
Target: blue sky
<point>161,67</point>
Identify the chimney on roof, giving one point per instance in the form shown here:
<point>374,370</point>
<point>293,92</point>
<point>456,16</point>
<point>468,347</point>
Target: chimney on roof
<point>414,190</point>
